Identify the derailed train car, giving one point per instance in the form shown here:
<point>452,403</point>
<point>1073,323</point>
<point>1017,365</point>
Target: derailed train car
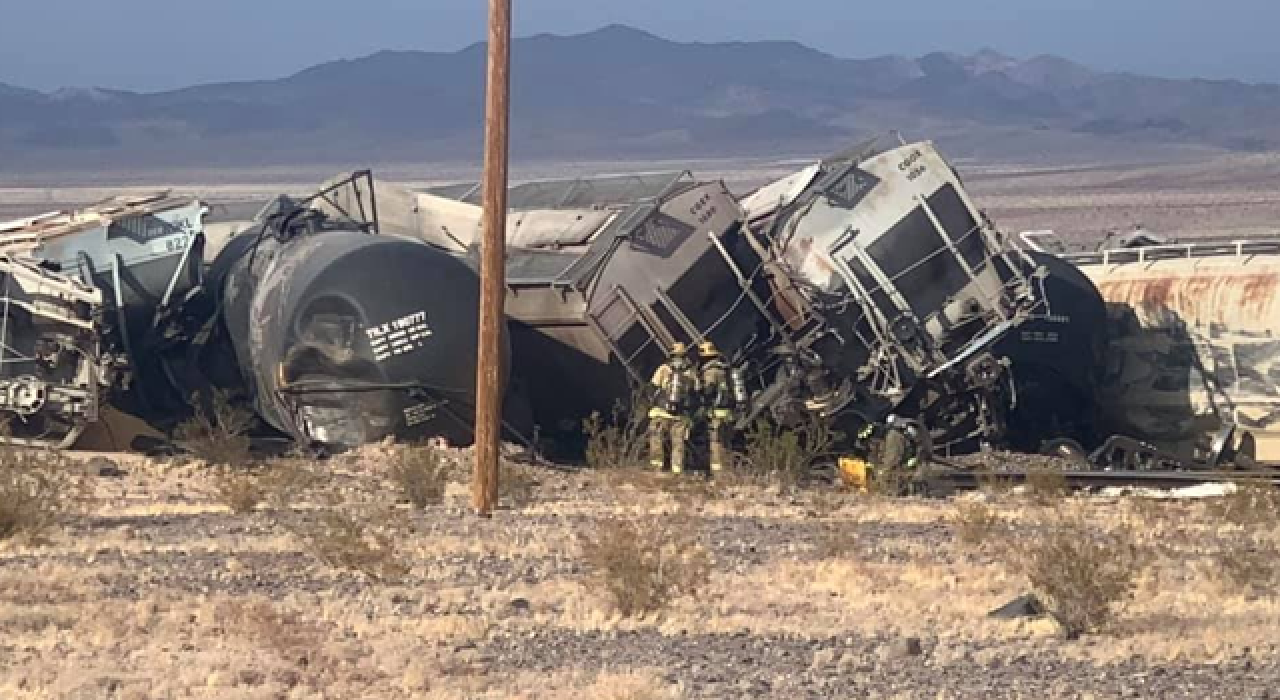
<point>341,336</point>
<point>866,284</point>
<point>896,290</point>
<point>604,276</point>
<point>122,262</point>
<point>1055,361</point>
<point>329,333</point>
<point>1193,337</point>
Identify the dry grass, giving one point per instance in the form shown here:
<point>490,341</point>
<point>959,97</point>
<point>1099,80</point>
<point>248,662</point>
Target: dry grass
<point>785,456</point>
<point>517,487</point>
<point>420,473</point>
<point>627,686</point>
<point>838,540</point>
<point>37,491</point>
<point>1083,575</point>
<point>644,566</point>
<point>1251,503</point>
<point>976,522</point>
<point>239,489</point>
<point>266,625</point>
<point>1249,564</point>
<point>238,607</point>
<point>994,485</point>
<point>890,483</point>
<point>279,483</point>
<point>1046,486</point>
<point>284,482</point>
<point>618,441</point>
<point>367,544</point>
<point>218,431</point>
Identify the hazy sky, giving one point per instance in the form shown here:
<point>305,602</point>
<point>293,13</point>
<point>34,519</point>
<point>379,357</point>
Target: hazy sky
<point>159,44</point>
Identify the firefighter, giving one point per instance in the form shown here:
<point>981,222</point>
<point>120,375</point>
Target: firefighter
<point>909,448</point>
<point>675,384</point>
<point>717,397</point>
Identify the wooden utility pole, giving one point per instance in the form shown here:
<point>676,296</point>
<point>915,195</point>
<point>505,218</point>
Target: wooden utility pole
<point>493,289</point>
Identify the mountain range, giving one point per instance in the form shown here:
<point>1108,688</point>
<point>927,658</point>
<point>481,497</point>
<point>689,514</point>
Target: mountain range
<point>623,93</point>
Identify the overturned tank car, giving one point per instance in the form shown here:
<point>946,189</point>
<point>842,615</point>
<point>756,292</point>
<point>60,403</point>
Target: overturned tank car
<point>343,337</point>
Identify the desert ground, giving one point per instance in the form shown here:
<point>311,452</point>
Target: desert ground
<point>171,579</point>
<point>1236,196</point>
<point>153,586</point>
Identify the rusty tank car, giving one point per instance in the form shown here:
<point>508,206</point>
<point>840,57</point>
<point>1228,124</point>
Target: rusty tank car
<point>1193,357</point>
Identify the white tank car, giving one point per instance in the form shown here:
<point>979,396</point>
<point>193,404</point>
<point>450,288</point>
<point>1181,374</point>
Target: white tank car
<point>1193,343</point>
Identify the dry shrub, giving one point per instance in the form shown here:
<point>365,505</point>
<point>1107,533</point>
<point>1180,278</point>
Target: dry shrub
<point>420,473</point>
<point>620,441</point>
<point>976,522</point>
<point>38,489</point>
<point>517,487</point>
<point>627,686</point>
<point>1252,503</point>
<point>995,484</point>
<point>1082,575</point>
<point>347,541</point>
<point>284,633</point>
<point>644,566</point>
<point>279,482</point>
<point>1250,564</point>
<point>239,489</point>
<point>218,430</point>
<point>890,483</point>
<point>785,456</point>
<point>1046,485</point>
<point>284,482</point>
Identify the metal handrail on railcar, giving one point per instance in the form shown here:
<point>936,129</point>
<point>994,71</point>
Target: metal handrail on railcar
<point>1203,248</point>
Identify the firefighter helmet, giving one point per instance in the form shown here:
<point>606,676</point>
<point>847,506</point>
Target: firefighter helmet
<point>678,349</point>
<point>708,349</point>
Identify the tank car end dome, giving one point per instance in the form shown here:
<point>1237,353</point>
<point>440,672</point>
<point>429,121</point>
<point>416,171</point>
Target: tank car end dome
<point>347,338</point>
